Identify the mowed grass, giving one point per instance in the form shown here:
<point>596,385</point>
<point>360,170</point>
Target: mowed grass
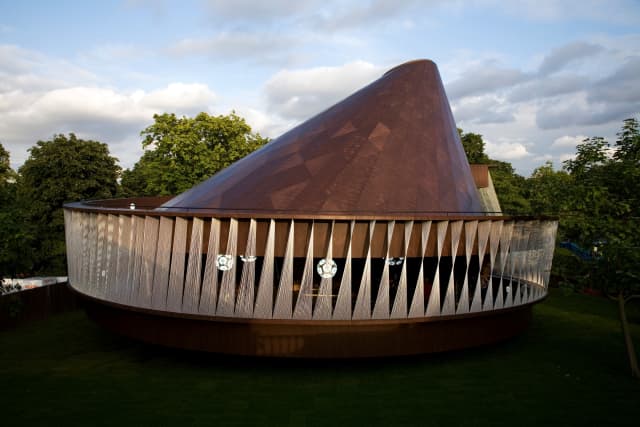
<point>569,369</point>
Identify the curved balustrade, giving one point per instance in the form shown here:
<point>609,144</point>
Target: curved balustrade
<point>305,269</point>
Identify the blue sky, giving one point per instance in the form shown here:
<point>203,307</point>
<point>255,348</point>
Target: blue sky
<point>533,77</point>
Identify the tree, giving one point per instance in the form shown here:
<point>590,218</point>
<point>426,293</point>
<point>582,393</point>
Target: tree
<point>628,142</point>
<point>546,190</point>
<point>7,179</point>
<point>618,273</point>
<point>603,198</point>
<point>61,170</point>
<point>473,145</point>
<point>5,166</point>
<point>15,236</point>
<point>604,193</point>
<point>181,152</point>
<point>590,154</point>
<point>510,187</point>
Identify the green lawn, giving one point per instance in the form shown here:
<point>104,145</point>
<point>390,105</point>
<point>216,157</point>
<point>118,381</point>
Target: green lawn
<point>569,369</point>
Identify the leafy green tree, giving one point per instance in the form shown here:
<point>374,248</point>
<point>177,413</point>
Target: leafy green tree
<point>15,236</point>
<point>628,142</point>
<point>590,154</point>
<point>61,170</point>
<point>603,194</point>
<point>181,152</point>
<point>473,145</point>
<point>546,190</point>
<point>7,179</point>
<point>5,166</point>
<point>602,197</point>
<point>618,274</point>
<point>510,187</point>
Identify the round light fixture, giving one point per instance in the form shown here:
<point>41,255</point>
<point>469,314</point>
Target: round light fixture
<point>327,268</point>
<point>224,262</point>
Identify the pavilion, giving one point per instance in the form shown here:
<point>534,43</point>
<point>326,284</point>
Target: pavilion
<point>361,232</point>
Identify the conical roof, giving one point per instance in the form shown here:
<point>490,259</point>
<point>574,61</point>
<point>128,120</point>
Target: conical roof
<point>391,148</point>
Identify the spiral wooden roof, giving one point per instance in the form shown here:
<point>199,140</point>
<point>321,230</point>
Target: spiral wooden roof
<point>390,148</point>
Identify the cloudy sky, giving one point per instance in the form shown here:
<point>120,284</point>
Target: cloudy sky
<point>533,76</point>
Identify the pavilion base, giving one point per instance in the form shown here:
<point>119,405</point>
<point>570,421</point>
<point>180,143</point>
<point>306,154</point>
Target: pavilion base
<point>310,339</point>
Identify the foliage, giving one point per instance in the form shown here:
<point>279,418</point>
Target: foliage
<point>473,145</point>
<point>546,190</point>
<point>628,143</point>
<point>600,205</point>
<point>604,211</point>
<point>510,187</point>
<point>7,180</point>
<point>63,169</point>
<point>590,154</point>
<point>569,271</point>
<point>15,236</point>
<point>5,166</point>
<point>181,152</point>
<point>617,269</point>
<point>604,194</point>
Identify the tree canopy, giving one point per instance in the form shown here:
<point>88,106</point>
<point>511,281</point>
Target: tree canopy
<point>61,170</point>
<point>14,236</point>
<point>181,152</point>
<point>510,187</point>
<point>5,165</point>
<point>546,190</point>
<point>597,196</point>
<point>473,145</point>
<point>7,179</point>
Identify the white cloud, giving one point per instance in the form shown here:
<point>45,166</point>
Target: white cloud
<point>506,150</point>
<point>548,87</point>
<point>42,96</point>
<point>315,15</point>
<point>563,56</point>
<point>27,70</point>
<point>484,78</point>
<point>182,97</point>
<point>583,83</point>
<point>568,141</point>
<point>622,86</point>
<point>98,113</point>
<point>267,125</point>
<point>351,15</point>
<point>610,11</point>
<point>566,156</point>
<point>482,109</point>
<point>578,109</point>
<point>543,158</point>
<point>250,10</point>
<point>109,52</point>
<point>250,46</point>
<point>300,94</point>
